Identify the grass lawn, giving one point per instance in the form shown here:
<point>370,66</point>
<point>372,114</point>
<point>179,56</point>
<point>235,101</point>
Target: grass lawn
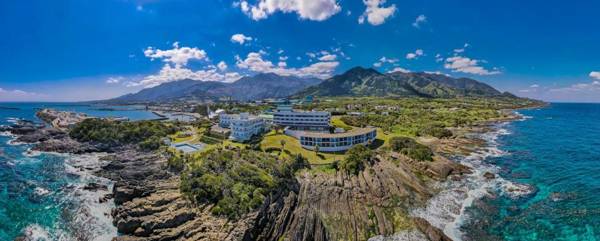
<point>293,146</point>
<point>337,122</point>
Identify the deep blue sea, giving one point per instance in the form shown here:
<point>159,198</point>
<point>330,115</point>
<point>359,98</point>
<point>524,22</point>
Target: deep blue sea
<point>42,194</point>
<point>547,184</point>
<point>556,150</point>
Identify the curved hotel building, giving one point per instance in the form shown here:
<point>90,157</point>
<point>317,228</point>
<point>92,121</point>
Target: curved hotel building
<point>334,142</point>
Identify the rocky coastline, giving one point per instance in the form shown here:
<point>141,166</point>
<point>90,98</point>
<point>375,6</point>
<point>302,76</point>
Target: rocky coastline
<point>315,206</point>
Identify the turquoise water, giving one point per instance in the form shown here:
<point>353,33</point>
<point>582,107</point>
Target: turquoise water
<point>42,194</point>
<point>556,150</point>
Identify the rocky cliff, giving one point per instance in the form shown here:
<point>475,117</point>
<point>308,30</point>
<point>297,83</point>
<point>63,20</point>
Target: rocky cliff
<point>317,206</point>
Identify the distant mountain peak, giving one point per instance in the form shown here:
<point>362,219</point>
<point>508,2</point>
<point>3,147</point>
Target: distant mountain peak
<point>359,81</point>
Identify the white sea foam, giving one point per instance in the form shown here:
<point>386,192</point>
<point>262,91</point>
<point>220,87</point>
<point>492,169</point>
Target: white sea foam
<point>35,232</point>
<point>446,210</point>
<point>92,217</point>
<point>13,120</point>
<point>40,191</point>
<point>410,235</point>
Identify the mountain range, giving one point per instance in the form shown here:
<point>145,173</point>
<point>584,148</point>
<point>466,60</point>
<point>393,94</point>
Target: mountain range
<point>357,81</point>
<point>360,81</point>
<point>260,86</point>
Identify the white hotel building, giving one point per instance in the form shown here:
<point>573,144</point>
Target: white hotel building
<point>243,126</point>
<point>301,120</point>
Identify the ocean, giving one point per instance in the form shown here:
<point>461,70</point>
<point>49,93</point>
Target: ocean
<point>547,184</point>
<point>42,195</point>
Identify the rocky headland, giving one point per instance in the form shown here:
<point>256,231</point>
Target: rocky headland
<point>314,206</point>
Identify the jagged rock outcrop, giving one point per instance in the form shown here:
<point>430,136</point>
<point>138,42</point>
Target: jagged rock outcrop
<point>318,206</point>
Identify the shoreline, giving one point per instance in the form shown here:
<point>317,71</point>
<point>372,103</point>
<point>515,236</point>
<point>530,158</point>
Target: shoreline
<point>436,215</point>
<point>446,210</point>
<point>91,217</point>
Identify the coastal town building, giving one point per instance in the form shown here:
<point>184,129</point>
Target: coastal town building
<point>334,142</point>
<point>286,116</point>
<point>243,126</point>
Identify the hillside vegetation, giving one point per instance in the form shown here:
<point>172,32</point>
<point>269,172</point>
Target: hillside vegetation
<point>145,134</point>
<point>359,81</point>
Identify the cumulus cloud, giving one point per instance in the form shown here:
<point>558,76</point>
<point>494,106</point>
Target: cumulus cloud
<point>317,10</point>
<point>222,66</point>
<point>114,80</point>
<point>467,65</point>
<point>384,60</point>
<point>175,68</point>
<point>595,74</point>
<point>328,57</point>
<point>399,69</point>
<point>415,55</point>
<point>240,38</point>
<point>169,73</point>
<point>421,19</point>
<point>437,73</point>
<point>178,56</point>
<point>461,50</point>
<point>256,63</point>
<point>375,13</point>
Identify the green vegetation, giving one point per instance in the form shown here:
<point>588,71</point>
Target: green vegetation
<point>435,131</point>
<point>356,159</point>
<point>411,148</point>
<point>145,134</point>
<point>337,122</point>
<point>272,143</point>
<point>236,181</point>
<point>415,116</point>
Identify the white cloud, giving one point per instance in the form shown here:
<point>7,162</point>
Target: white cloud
<point>328,57</point>
<point>534,86</point>
<point>399,69</point>
<point>375,13</point>
<point>169,73</point>
<point>178,56</point>
<point>18,95</point>
<point>439,58</point>
<point>317,10</point>
<point>461,50</point>
<point>240,38</point>
<point>595,74</point>
<point>415,55</point>
<point>467,65</point>
<point>114,80</point>
<point>174,69</point>
<point>256,63</point>
<point>384,60</point>
<point>222,66</point>
<point>437,72</point>
<point>419,20</point>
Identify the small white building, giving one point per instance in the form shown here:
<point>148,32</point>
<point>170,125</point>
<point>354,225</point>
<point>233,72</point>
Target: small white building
<point>243,126</point>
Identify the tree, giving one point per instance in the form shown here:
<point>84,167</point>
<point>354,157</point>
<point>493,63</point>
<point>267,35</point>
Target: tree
<point>282,142</point>
<point>356,158</point>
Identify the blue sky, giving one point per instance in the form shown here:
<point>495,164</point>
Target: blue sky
<point>85,50</point>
